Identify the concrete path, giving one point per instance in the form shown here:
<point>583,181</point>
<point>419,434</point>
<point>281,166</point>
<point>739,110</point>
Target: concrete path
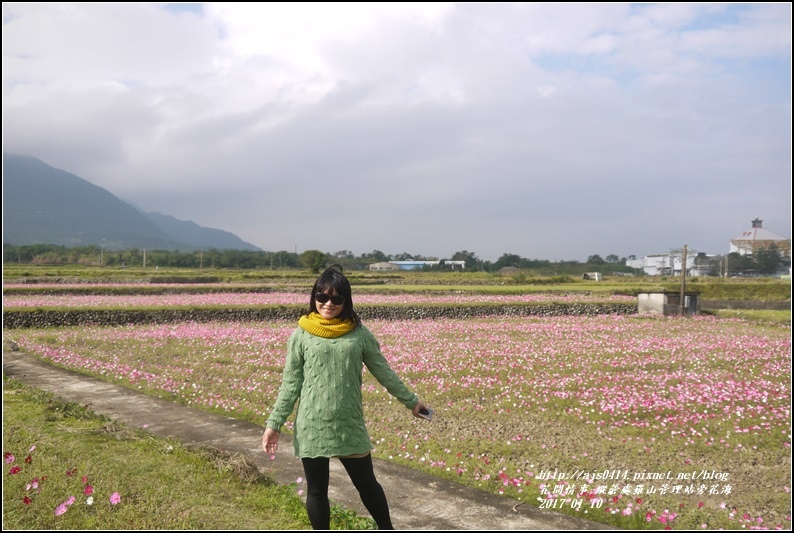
<point>418,501</point>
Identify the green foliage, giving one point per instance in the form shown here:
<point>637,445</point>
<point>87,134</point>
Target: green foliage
<point>51,254</point>
<point>314,260</point>
<point>768,260</point>
<point>749,289</point>
<point>782,318</point>
<point>346,519</point>
<point>470,258</point>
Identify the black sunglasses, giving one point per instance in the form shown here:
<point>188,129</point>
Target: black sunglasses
<point>335,299</point>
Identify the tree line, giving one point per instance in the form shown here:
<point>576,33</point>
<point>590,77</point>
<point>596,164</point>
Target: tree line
<point>52,254</point>
<point>765,262</point>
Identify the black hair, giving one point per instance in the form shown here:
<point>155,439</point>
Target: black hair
<point>332,280</point>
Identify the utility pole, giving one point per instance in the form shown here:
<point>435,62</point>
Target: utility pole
<point>683,282</point>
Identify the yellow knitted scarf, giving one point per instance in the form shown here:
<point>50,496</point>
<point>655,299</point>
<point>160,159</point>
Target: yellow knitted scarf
<point>329,329</point>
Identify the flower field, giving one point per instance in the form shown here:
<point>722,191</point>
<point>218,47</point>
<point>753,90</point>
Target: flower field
<point>287,298</point>
<point>643,423</point>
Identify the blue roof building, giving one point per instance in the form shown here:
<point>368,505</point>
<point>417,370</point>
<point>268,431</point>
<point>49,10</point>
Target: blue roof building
<point>418,265</point>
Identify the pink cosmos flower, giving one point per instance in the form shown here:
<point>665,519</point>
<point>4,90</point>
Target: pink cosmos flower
<point>88,490</point>
<point>9,457</point>
<point>60,509</point>
<point>115,498</point>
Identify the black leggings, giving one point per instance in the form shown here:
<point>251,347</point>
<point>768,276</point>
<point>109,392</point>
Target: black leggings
<point>363,477</point>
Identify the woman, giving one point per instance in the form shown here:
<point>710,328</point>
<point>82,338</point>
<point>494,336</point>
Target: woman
<point>325,359</point>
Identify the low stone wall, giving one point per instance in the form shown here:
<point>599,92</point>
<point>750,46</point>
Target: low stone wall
<point>472,311</point>
<point>118,290</point>
<point>43,318</point>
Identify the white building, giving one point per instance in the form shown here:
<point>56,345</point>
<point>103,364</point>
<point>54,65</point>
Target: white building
<point>383,266</point>
<point>699,264</point>
<point>759,238</point>
<point>669,264</point>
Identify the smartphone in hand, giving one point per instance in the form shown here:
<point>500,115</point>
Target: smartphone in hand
<point>426,413</point>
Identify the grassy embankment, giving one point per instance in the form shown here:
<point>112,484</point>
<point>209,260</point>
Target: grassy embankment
<point>755,289</point>
<point>55,451</point>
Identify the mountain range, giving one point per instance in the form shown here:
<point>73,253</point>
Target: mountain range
<point>46,205</point>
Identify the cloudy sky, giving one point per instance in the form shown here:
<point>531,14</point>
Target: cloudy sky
<point>550,131</point>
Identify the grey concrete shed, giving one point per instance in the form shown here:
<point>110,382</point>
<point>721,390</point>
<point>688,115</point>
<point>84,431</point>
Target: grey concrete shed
<point>667,303</point>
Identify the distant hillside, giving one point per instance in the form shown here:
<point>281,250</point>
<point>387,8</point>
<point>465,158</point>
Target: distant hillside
<point>196,236</point>
<point>45,205</point>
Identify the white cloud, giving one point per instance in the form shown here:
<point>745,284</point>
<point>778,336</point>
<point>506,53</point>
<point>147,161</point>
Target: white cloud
<point>488,127</point>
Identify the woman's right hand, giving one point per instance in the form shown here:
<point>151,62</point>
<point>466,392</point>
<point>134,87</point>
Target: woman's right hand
<point>270,440</point>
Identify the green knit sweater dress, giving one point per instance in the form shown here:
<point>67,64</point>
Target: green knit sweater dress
<point>324,376</point>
